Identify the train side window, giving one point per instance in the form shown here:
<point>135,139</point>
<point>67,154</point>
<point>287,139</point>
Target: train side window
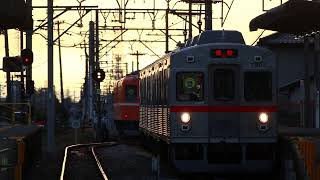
<point>166,77</point>
<point>258,86</point>
<point>131,93</point>
<point>224,84</point>
<point>142,92</point>
<point>161,87</point>
<point>148,90</point>
<point>190,86</point>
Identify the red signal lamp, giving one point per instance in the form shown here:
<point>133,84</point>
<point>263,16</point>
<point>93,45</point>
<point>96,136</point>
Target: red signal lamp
<point>27,57</point>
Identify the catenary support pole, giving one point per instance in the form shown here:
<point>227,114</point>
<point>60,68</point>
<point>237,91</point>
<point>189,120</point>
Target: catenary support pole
<point>91,64</point>
<point>190,19</point>
<point>22,71</point>
<point>29,44</point>
<point>167,27</point>
<point>50,102</point>
<point>6,44</point>
<point>99,123</point>
<point>60,64</point>
<point>208,14</point>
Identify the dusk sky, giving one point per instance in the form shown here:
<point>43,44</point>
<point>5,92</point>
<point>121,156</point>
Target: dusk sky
<point>73,59</point>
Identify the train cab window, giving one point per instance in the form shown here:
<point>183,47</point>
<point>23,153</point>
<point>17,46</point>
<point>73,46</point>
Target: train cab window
<point>190,86</point>
<point>224,85</point>
<point>131,93</point>
<point>258,86</point>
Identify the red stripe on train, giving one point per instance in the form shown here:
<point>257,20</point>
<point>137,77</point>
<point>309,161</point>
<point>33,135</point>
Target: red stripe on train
<point>224,108</point>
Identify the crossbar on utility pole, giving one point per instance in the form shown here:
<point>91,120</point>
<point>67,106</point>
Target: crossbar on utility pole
<point>137,54</point>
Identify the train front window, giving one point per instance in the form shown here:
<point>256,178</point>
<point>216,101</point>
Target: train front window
<point>131,93</point>
<point>224,84</point>
<point>258,86</point>
<point>190,86</point>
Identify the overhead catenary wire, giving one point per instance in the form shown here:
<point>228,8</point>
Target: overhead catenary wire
<point>258,37</point>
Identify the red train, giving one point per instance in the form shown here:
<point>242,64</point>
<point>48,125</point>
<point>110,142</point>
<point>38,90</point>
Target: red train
<point>126,104</point>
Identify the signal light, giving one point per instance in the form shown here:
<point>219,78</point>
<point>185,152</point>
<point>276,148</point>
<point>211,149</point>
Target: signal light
<point>27,57</point>
<point>99,75</point>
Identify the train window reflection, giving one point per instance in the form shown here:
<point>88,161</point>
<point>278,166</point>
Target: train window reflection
<point>190,86</point>
<point>258,86</point>
<point>131,93</point>
<point>224,85</point>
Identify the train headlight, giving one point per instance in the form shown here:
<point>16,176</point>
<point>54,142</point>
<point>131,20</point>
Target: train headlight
<point>263,118</point>
<point>185,117</point>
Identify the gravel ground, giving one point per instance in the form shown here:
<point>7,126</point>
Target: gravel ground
<point>121,162</point>
<point>49,166</point>
<point>124,162</point>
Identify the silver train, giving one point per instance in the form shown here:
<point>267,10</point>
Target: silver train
<point>212,105</point>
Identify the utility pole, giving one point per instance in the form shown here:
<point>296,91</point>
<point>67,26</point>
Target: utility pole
<point>132,66</point>
<point>22,71</point>
<point>86,83</point>
<point>137,54</point>
<point>51,106</point>
<point>29,42</point>
<point>167,27</point>
<point>190,19</point>
<point>99,127</point>
<point>91,64</point>
<point>6,44</point>
<point>208,14</point>
<point>60,64</point>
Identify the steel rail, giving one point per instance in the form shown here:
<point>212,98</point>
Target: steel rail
<point>63,168</point>
<point>98,163</point>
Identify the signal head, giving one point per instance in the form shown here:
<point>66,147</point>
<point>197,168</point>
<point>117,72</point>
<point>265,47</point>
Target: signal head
<point>27,57</point>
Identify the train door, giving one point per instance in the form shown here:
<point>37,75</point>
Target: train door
<point>223,118</point>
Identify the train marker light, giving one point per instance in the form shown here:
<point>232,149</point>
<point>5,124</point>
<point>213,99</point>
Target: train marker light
<point>263,118</point>
<point>218,52</point>
<point>185,117</point>
<point>229,52</point>
<point>224,53</point>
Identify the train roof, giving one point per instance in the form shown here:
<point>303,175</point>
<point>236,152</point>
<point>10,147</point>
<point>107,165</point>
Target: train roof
<point>221,36</point>
<point>129,77</point>
<point>206,37</point>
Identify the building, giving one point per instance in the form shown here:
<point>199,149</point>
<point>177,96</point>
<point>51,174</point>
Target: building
<point>291,69</point>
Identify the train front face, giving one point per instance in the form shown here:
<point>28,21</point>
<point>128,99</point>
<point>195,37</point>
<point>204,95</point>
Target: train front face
<point>127,106</point>
<point>224,112</point>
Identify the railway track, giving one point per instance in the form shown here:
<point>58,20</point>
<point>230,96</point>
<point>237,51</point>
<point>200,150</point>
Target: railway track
<point>81,161</point>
